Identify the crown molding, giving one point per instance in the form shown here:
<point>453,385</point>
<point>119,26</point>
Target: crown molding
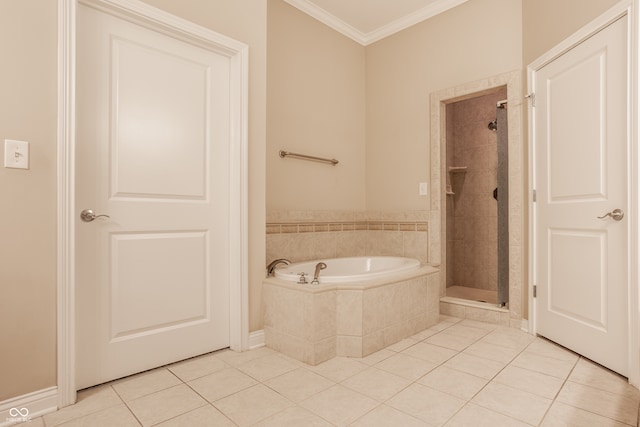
<point>311,9</point>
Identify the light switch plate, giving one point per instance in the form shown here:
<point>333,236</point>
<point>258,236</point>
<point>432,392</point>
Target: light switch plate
<point>16,154</point>
<point>423,189</point>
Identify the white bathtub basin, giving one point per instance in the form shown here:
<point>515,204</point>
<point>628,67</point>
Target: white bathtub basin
<point>346,270</point>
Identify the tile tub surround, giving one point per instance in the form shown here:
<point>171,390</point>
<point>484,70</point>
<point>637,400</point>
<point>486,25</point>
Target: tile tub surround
<point>308,235</point>
<point>316,323</point>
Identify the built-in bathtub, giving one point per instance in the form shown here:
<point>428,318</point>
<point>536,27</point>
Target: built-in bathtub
<point>378,302</point>
<point>349,270</point>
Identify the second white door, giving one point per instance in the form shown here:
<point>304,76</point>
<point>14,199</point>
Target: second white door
<point>153,153</point>
<point>581,213</point>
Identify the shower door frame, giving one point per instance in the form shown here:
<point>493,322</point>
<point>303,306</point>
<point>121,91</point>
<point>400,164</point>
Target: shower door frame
<point>438,226</point>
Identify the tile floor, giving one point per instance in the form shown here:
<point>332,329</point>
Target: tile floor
<point>458,373</point>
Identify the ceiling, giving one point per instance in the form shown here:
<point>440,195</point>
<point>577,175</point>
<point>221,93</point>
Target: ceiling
<point>367,21</point>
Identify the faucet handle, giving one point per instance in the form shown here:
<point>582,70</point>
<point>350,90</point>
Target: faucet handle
<point>302,279</point>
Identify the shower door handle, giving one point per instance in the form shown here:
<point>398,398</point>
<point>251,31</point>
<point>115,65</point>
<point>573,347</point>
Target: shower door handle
<point>616,214</point>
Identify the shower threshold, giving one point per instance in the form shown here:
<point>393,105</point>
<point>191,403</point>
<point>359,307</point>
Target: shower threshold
<point>473,294</point>
<point>474,310</point>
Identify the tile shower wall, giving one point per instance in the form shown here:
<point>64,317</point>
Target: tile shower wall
<point>472,221</point>
<point>308,235</point>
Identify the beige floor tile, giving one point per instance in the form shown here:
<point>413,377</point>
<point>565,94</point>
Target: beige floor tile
<point>451,370</point>
<point>146,383</point>
<point>205,416</point>
<point>402,345</point>
<point>427,404</point>
<point>451,341</point>
<point>455,383</point>
<point>197,367</point>
<point>386,416</point>
<point>477,324</point>
<point>545,365</point>
<point>544,347</point>
<point>610,405</point>
<point>115,416</point>
<point>477,416</point>
<point>513,403</point>
<point>376,384</point>
<point>236,358</point>
<point>222,384</point>
<point>405,366</point>
<point>166,404</point>
<point>35,422</point>
<point>530,381</point>
<point>561,415</point>
<point>339,405</point>
<point>294,416</point>
<point>423,335</point>
<point>509,338</point>
<point>89,401</point>
<point>478,366</point>
<point>376,357</point>
<point>299,384</point>
<point>264,368</point>
<point>430,353</point>
<point>444,318</point>
<point>439,327</point>
<point>467,331</point>
<point>589,373</point>
<point>492,352</point>
<point>339,368</point>
<point>252,405</point>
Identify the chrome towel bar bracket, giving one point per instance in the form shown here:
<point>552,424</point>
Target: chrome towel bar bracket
<point>284,154</point>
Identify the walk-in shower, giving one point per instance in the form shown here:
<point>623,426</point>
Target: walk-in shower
<point>477,242</point>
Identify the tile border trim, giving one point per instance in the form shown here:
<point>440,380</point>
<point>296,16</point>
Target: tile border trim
<point>322,227</point>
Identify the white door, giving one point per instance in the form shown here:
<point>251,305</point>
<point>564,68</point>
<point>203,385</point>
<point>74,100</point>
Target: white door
<point>153,148</point>
<point>581,174</point>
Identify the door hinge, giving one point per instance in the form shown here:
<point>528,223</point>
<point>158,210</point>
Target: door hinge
<point>534,195</point>
<point>532,98</point>
<point>535,291</point>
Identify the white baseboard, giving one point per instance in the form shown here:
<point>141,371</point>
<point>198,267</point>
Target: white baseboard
<point>256,339</point>
<point>28,406</point>
<point>524,325</point>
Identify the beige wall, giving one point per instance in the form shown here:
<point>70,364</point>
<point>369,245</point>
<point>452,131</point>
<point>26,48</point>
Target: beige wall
<point>28,206</point>
<point>315,106</point>
<point>28,79</point>
<point>545,23</point>
<point>477,39</point>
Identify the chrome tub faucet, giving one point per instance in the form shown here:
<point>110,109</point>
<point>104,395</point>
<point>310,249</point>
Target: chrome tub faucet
<point>273,264</point>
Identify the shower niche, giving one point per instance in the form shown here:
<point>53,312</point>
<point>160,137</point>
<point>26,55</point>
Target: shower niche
<point>476,188</point>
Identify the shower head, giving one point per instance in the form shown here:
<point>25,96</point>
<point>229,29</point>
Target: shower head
<point>493,125</point>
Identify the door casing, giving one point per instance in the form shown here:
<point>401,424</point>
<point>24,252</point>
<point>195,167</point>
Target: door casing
<point>627,9</point>
<point>183,29</point>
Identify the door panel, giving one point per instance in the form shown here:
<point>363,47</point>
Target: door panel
<point>153,152</point>
<point>578,290</point>
<point>145,100</point>
<point>144,271</point>
<point>580,151</point>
